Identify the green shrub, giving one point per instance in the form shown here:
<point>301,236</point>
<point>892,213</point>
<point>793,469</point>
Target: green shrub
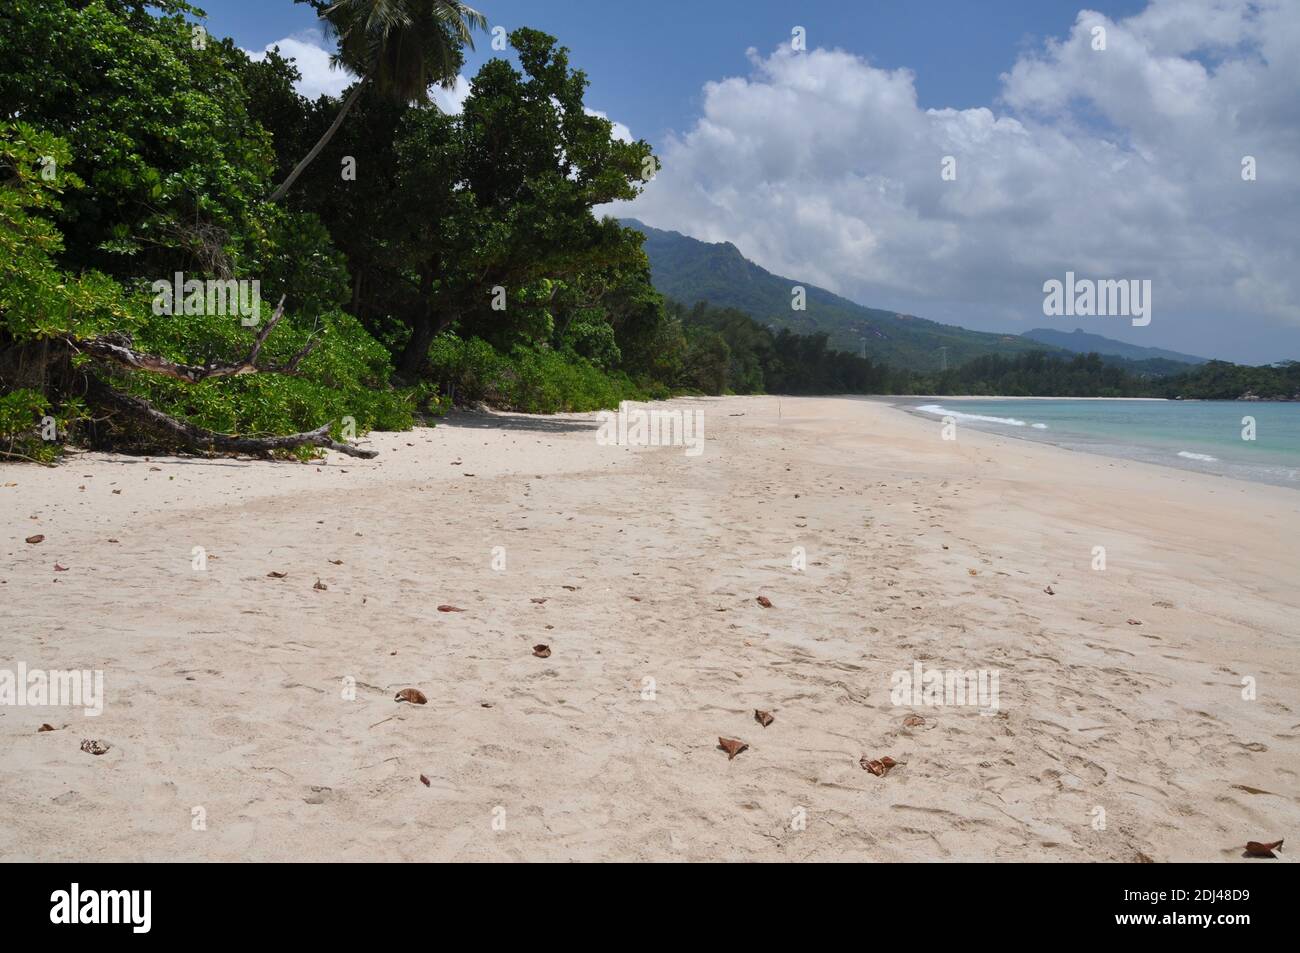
<point>535,380</point>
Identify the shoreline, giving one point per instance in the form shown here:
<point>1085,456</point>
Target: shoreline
<point>225,688</point>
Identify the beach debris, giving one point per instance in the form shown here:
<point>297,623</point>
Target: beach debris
<point>320,586</point>
<point>1163,604</point>
<point>542,650</point>
<point>570,588</point>
<point>913,721</point>
<point>733,746</point>
<point>1256,849</point>
<point>94,746</point>
<point>336,562</point>
<point>764,718</point>
<point>38,538</point>
<point>764,601</point>
<point>878,766</point>
<point>424,781</point>
<point>412,695</point>
<point>45,727</point>
<point>276,574</point>
<point>635,598</point>
<point>1050,591</point>
<point>538,600</point>
<point>450,609</point>
<point>973,572</point>
<point>59,568</point>
<point>1134,622</point>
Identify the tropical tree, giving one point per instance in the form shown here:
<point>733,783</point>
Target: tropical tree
<point>401,47</point>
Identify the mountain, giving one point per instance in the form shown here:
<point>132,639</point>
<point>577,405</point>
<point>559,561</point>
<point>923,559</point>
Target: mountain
<point>688,270</point>
<point>1081,342</point>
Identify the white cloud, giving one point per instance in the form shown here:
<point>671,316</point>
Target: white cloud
<point>1117,163</point>
<point>313,61</point>
<point>620,132</point>
<point>452,101</point>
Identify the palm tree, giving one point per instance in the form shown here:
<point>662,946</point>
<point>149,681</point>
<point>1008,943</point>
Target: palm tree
<point>401,46</point>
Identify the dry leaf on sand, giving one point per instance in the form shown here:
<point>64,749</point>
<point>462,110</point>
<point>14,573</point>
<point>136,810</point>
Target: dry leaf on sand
<point>38,538</point>
<point>320,585</point>
<point>276,574</point>
<point>542,651</point>
<point>412,695</point>
<point>424,780</point>
<point>1256,849</point>
<point>764,718</point>
<point>879,767</point>
<point>450,609</point>
<point>94,746</point>
<point>764,601</point>
<point>733,746</point>
<point>913,721</point>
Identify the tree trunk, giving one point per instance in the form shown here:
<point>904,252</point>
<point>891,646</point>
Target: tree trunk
<point>324,140</point>
<point>426,327</point>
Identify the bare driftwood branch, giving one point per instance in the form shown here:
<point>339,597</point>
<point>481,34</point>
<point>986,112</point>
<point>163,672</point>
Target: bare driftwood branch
<point>110,350</point>
<point>199,438</point>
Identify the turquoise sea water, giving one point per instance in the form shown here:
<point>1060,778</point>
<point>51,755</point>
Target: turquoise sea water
<point>1195,435</point>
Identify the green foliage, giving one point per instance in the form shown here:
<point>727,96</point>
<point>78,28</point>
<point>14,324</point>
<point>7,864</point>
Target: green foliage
<point>1220,380</point>
<point>534,380</point>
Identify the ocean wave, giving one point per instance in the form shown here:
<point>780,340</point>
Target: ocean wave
<point>945,412</point>
<point>1188,455</point>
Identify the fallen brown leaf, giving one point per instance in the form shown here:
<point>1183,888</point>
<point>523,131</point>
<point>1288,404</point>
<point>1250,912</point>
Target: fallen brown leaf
<point>38,538</point>
<point>1050,591</point>
<point>539,601</point>
<point>412,695</point>
<point>913,721</point>
<point>336,562</point>
<point>320,585</point>
<point>764,601</point>
<point>1256,849</point>
<point>542,650</point>
<point>450,609</point>
<point>424,780</point>
<point>44,728</point>
<point>764,718</point>
<point>58,568</point>
<point>570,588</point>
<point>276,574</point>
<point>878,767</point>
<point>733,746</point>
<point>973,572</point>
<point>1134,622</point>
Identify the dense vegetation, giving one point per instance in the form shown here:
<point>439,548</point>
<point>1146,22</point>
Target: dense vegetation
<point>420,257</point>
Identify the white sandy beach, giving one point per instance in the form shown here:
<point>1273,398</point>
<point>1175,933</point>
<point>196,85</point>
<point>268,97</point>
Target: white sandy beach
<point>225,688</point>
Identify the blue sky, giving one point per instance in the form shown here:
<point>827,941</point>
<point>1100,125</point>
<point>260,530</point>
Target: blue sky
<point>1119,161</point>
<point>647,62</point>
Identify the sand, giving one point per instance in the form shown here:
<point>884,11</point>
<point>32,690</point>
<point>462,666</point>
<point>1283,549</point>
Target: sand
<point>253,718</point>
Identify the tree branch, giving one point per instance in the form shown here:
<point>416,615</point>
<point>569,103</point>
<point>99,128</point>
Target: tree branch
<point>110,350</point>
<point>199,438</point>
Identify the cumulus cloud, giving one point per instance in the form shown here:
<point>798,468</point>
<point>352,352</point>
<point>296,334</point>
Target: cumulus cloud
<point>1124,162</point>
<point>313,61</point>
